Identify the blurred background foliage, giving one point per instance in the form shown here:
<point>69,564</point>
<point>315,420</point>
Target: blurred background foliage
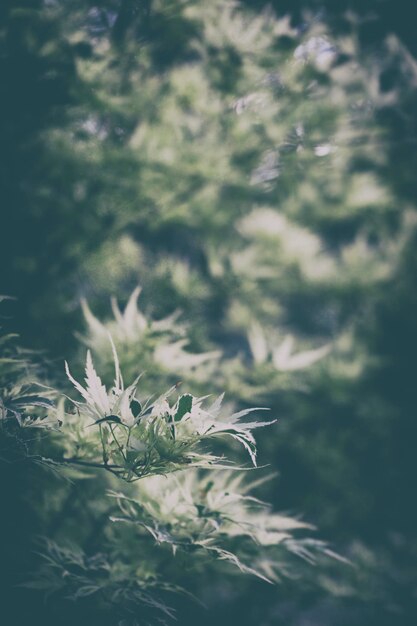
<point>252,168</point>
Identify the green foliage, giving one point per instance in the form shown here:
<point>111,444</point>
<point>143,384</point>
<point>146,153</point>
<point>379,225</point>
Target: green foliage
<point>25,403</point>
<point>133,441</point>
<point>210,516</point>
<point>159,346</point>
<point>214,514</point>
<point>71,573</point>
<point>255,173</point>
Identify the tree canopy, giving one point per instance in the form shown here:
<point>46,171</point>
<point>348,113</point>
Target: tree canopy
<point>219,196</point>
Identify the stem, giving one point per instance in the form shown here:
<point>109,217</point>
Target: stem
<point>105,458</point>
<point>117,443</point>
<point>74,461</point>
